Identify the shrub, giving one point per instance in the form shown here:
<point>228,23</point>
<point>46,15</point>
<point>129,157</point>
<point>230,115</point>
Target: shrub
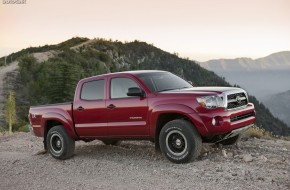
<point>24,128</point>
<point>258,133</point>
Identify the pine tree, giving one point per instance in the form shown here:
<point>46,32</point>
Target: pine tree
<point>10,110</point>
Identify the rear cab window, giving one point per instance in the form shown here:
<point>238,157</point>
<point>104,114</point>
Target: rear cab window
<point>93,90</point>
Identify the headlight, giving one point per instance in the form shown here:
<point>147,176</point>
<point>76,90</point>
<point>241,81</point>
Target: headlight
<point>210,101</point>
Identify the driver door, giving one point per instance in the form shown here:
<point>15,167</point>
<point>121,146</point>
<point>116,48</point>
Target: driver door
<point>127,116</point>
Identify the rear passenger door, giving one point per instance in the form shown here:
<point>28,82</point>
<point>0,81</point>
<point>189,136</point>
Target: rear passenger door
<point>127,116</point>
<point>90,113</point>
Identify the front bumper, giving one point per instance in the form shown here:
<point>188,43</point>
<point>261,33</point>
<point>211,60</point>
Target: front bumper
<point>227,121</point>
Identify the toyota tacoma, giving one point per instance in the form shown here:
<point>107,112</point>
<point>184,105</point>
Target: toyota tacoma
<point>147,105</point>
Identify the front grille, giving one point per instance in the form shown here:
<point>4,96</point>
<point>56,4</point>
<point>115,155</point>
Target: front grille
<point>237,100</point>
<point>240,117</point>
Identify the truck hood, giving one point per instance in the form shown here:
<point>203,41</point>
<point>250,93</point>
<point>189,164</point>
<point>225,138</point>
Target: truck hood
<point>203,90</point>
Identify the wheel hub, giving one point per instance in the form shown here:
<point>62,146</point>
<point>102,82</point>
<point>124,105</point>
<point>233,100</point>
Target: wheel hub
<point>58,144</point>
<point>176,142</point>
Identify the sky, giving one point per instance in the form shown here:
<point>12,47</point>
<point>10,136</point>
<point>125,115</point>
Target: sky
<point>198,29</point>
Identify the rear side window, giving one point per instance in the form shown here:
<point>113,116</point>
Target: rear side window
<point>120,86</point>
<point>93,90</point>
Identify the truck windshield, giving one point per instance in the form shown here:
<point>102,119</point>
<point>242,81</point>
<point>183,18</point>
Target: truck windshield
<point>163,81</point>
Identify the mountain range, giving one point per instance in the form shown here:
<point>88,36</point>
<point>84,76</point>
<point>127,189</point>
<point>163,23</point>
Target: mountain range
<point>266,78</point>
<point>49,74</point>
<point>279,105</point>
<point>275,61</point>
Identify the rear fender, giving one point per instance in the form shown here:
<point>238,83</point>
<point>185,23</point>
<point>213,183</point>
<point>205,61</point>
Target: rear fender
<point>63,118</point>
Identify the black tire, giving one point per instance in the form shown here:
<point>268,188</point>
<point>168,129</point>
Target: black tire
<point>45,144</point>
<point>87,140</point>
<point>231,141</point>
<point>111,142</point>
<point>179,141</point>
<point>60,145</point>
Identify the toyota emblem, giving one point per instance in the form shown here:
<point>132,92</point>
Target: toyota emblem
<point>238,99</point>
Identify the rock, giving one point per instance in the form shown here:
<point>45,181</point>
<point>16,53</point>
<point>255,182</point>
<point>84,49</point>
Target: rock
<point>15,161</point>
<point>204,149</point>
<point>287,162</point>
<point>276,161</point>
<point>230,155</point>
<point>238,145</point>
<point>41,152</point>
<point>263,158</point>
<point>247,158</point>
<point>224,152</point>
<point>219,170</point>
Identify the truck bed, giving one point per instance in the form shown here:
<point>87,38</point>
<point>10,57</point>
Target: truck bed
<point>38,114</point>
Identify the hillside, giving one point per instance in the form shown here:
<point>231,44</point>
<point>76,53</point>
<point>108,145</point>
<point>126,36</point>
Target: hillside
<point>280,106</point>
<point>6,73</point>
<point>49,74</point>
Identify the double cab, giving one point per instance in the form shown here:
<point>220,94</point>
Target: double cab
<point>147,105</point>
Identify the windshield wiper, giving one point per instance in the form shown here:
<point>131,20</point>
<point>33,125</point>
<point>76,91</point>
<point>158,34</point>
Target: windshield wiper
<point>167,89</point>
<point>184,87</point>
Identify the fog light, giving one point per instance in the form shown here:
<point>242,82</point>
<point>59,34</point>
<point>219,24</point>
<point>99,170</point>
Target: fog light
<point>213,121</point>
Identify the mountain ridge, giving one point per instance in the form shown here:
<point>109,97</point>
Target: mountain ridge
<point>274,61</point>
<point>278,104</point>
<point>44,82</point>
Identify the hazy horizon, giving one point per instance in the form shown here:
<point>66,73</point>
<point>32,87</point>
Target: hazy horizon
<point>200,30</point>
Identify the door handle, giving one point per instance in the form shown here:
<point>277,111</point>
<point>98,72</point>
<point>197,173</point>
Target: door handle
<point>80,108</point>
<point>111,106</point>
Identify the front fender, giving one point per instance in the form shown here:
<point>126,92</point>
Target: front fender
<point>63,118</point>
<point>178,109</point>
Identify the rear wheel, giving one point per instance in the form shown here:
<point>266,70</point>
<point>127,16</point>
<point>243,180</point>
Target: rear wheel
<point>59,144</point>
<point>231,141</point>
<point>179,141</point>
<point>111,142</point>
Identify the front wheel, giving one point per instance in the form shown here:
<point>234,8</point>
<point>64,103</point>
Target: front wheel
<point>60,145</point>
<point>179,141</point>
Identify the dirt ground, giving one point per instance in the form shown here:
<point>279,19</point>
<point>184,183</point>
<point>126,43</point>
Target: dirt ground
<point>253,164</point>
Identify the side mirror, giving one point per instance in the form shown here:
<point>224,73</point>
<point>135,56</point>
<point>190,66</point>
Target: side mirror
<point>135,91</point>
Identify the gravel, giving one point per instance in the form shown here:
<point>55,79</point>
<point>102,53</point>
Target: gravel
<point>136,165</point>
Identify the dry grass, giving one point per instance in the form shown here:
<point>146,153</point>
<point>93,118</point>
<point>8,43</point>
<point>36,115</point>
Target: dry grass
<point>263,134</point>
<point>258,133</point>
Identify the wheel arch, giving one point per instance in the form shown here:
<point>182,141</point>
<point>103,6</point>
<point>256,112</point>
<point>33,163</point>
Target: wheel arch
<point>162,114</point>
<point>164,118</point>
<point>50,120</point>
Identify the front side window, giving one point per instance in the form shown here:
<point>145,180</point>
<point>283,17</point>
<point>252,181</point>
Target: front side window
<point>93,90</point>
<point>120,86</point>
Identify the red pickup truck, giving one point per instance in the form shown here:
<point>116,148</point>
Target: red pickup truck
<point>152,105</point>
